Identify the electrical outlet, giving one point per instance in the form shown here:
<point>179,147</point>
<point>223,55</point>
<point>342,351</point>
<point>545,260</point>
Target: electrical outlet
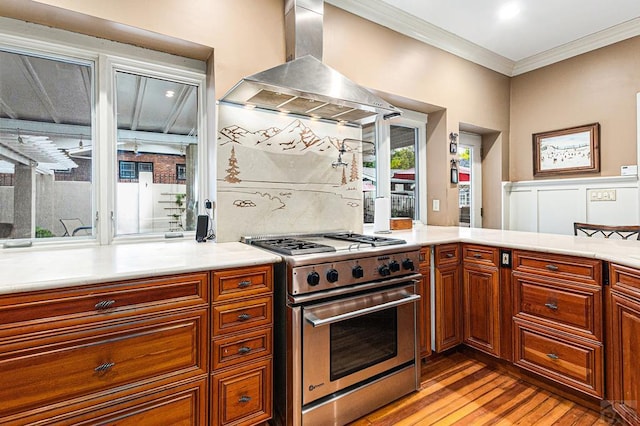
<point>436,205</point>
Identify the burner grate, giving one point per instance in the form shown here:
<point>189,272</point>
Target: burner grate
<point>292,246</point>
<point>365,239</point>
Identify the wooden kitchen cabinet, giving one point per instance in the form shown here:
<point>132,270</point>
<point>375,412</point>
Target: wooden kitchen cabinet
<point>481,298</point>
<point>241,346</point>
<point>558,320</point>
<point>448,297</point>
<point>623,350</point>
<point>424,307</point>
<point>105,352</point>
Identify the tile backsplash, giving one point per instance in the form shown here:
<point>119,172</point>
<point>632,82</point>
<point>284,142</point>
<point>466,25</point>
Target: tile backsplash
<point>275,175</point>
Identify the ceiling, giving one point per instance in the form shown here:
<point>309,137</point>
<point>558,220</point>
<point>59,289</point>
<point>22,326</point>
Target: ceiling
<point>541,33</point>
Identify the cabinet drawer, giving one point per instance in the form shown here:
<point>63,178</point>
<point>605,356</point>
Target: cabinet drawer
<point>482,255</point>
<point>242,396</point>
<point>570,268</point>
<point>235,283</point>
<point>66,306</point>
<point>447,254</point>
<point>184,403</point>
<point>60,366</point>
<point>625,280</point>
<point>573,362</point>
<point>232,317</point>
<point>575,309</point>
<point>241,348</point>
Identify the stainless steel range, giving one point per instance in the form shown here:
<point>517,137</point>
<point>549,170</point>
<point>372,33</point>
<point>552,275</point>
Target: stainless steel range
<point>345,320</point>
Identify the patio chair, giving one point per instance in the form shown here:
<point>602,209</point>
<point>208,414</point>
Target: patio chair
<point>74,227</point>
<point>606,231</point>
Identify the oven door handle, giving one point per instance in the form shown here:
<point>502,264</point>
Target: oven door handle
<point>318,322</point>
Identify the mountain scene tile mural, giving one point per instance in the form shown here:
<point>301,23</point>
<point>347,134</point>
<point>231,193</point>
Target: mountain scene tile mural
<point>278,174</point>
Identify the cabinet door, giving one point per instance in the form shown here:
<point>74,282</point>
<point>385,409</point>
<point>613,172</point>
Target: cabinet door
<point>448,305</point>
<point>481,308</point>
<point>624,356</point>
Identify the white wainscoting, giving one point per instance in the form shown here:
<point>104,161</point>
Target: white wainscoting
<point>553,205</point>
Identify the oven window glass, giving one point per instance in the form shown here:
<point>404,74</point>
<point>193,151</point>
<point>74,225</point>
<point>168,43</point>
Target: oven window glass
<point>363,341</point>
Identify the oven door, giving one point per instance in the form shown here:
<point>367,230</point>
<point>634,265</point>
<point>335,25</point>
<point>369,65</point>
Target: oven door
<point>349,340</point>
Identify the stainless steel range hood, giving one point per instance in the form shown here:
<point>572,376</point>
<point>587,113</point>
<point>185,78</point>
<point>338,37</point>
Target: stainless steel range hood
<point>305,85</point>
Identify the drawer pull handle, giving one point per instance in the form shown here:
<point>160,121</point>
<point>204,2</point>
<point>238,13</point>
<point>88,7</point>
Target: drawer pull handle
<point>551,306</point>
<point>244,284</point>
<point>104,367</point>
<point>104,304</point>
<point>448,255</point>
<point>552,267</point>
<point>553,356</point>
<point>244,350</point>
<point>244,317</point>
<point>477,255</point>
<point>244,399</point>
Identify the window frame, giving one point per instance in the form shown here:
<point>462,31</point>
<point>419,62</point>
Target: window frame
<point>410,119</point>
<point>107,57</point>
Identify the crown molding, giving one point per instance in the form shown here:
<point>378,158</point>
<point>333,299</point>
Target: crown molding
<point>586,44</point>
<point>395,19</point>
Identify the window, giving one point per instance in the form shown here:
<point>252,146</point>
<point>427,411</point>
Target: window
<point>394,169</point>
<point>181,171</point>
<point>132,169</point>
<point>128,170</point>
<point>151,116</point>
<point>46,124</point>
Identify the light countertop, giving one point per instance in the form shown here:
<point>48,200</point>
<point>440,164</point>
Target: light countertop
<point>626,252</point>
<point>37,269</point>
<point>28,269</point>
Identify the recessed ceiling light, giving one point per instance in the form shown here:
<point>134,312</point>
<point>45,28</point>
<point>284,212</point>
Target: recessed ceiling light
<point>508,11</point>
<point>169,93</point>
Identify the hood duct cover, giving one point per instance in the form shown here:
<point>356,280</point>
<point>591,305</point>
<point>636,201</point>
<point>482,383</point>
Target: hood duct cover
<point>305,85</point>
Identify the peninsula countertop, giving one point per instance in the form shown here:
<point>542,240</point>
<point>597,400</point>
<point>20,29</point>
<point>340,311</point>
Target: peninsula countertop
<point>46,268</point>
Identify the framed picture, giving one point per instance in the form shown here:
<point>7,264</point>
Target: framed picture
<point>573,150</point>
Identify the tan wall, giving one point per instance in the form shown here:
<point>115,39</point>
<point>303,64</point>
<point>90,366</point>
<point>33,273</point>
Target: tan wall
<point>599,86</point>
<point>423,78</point>
<point>248,36</point>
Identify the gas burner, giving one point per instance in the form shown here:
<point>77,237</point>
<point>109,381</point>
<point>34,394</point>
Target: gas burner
<point>292,246</point>
<point>365,239</point>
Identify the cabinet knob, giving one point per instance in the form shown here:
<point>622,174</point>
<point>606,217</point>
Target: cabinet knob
<point>551,306</point>
<point>104,304</point>
<point>552,267</point>
<point>553,356</point>
<point>244,284</point>
<point>104,367</point>
<point>448,255</point>
<point>244,317</point>
<point>244,399</point>
<point>477,255</point>
<point>244,350</point>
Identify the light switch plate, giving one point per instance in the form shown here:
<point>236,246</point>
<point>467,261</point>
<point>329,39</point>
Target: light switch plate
<point>602,194</point>
<point>436,205</point>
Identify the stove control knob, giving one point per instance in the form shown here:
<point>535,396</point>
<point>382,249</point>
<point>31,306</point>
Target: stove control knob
<point>313,278</point>
<point>408,264</point>
<point>357,271</point>
<point>384,270</point>
<point>394,266</point>
<point>332,275</point>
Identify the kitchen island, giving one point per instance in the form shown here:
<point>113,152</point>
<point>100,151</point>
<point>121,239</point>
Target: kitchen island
<point>190,324</point>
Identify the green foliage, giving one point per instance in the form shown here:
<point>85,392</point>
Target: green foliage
<point>43,233</point>
<point>180,199</point>
<point>404,158</point>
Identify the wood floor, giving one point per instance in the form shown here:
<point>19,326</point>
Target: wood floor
<point>459,390</point>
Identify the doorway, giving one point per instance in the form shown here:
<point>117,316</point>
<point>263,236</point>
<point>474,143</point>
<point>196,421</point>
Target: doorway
<point>470,180</point>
